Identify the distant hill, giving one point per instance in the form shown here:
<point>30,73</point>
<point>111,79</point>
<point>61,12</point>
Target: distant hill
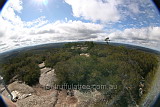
<point>125,70</point>
<point>134,47</point>
<point>15,52</point>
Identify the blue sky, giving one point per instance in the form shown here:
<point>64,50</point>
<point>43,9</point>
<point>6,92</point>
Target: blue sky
<point>32,22</point>
<point>54,10</point>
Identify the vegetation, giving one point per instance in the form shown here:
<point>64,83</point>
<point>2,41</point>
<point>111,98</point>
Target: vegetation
<point>105,65</point>
<point>107,40</point>
<point>23,67</point>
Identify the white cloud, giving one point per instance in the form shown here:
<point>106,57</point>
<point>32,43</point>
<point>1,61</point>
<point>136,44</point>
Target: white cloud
<point>9,12</point>
<point>147,37</point>
<point>66,31</point>
<point>112,11</point>
<point>96,10</point>
<point>16,5</point>
<point>134,8</point>
<point>16,33</point>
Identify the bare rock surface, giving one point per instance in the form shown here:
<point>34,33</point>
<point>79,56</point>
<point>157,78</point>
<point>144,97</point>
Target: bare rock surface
<point>51,98</point>
<point>47,78</point>
<point>42,65</point>
<point>87,99</point>
<point>45,69</point>
<point>19,87</point>
<point>37,96</point>
<point>39,101</point>
<point>79,99</point>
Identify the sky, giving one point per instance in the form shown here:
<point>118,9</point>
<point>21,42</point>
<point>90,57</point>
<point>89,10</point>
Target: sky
<point>32,22</point>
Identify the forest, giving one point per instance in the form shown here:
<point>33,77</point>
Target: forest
<point>86,63</point>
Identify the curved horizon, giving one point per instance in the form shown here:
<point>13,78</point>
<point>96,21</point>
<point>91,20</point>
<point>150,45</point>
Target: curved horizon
<point>29,23</point>
<point>130,46</point>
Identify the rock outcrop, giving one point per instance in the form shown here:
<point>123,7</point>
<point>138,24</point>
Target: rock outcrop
<point>79,99</point>
<point>39,97</point>
<point>29,97</point>
<point>39,101</point>
<point>47,79</point>
<point>19,87</point>
<point>45,69</point>
<point>42,65</point>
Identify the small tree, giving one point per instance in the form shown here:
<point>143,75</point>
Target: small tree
<point>107,40</point>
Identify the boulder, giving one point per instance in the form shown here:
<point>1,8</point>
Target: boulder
<point>85,54</point>
<point>45,70</point>
<point>87,99</point>
<point>42,65</point>
<point>39,101</point>
<point>19,87</point>
<point>79,99</point>
<point>47,79</point>
<point>17,95</point>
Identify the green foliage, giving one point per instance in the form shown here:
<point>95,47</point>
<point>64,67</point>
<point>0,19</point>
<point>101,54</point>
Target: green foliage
<point>146,61</point>
<point>76,70</point>
<point>106,65</point>
<point>107,40</point>
<point>57,57</point>
<point>24,67</point>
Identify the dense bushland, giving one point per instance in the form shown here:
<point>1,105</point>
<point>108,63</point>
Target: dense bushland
<point>105,65</point>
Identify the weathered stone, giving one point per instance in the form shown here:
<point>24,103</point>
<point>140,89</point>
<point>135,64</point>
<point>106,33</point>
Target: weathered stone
<point>47,79</point>
<point>42,65</point>
<point>19,87</point>
<point>38,101</point>
<point>45,70</point>
<point>85,54</point>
